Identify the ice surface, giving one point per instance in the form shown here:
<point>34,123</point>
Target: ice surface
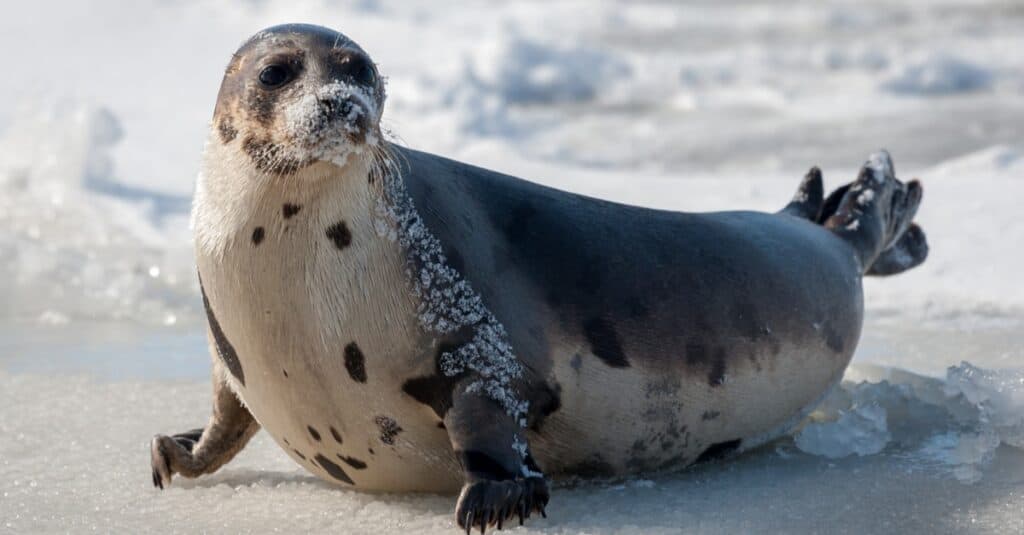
<point>707,106</point>
<point>74,457</point>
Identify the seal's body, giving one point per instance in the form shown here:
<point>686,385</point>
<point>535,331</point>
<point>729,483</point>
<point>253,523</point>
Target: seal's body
<point>400,321</point>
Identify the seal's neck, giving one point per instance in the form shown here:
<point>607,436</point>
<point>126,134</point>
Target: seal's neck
<point>233,197</point>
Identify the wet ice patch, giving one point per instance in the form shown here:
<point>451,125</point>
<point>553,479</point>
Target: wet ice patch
<point>955,424</point>
<point>861,430</point>
<point>998,398</point>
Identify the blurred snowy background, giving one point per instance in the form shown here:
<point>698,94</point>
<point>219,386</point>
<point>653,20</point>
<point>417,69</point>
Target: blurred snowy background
<point>692,106</point>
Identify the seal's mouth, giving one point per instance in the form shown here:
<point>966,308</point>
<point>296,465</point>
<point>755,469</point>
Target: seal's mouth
<point>333,122</point>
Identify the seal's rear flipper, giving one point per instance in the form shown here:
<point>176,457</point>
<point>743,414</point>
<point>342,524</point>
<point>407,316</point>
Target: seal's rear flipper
<point>908,252</point>
<point>807,201</point>
<point>875,213</point>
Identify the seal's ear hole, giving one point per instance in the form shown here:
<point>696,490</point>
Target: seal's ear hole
<point>274,76</point>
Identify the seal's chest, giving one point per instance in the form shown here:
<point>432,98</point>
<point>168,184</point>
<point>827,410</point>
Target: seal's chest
<point>314,278</point>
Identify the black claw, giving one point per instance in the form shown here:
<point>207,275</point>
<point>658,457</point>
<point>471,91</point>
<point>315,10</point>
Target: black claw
<point>543,513</point>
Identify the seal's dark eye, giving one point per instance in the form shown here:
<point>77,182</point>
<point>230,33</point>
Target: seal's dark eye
<point>360,70</point>
<point>275,75</point>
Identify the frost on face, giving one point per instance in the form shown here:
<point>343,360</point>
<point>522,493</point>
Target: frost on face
<point>325,121</point>
<point>447,303</point>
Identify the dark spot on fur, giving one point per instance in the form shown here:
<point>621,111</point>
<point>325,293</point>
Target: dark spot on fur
<point>436,390</point>
<point>227,130</point>
<point>716,375</point>
<point>353,462</point>
<point>339,234</point>
<point>299,453</point>
<point>336,435</point>
<point>333,469</point>
<point>710,415</point>
<point>225,350</point>
<point>313,433</point>
<point>484,466</point>
<point>270,158</point>
<point>257,235</point>
<point>285,372</point>
<point>389,429</point>
<point>719,450</point>
<point>371,451</point>
<point>286,443</point>
<point>288,210</point>
<point>833,339</point>
<point>604,342</point>
<point>432,390</point>
<point>355,363</point>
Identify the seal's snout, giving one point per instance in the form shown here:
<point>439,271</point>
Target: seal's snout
<point>347,109</point>
<point>332,120</point>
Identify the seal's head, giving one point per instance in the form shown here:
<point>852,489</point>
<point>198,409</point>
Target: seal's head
<point>298,94</point>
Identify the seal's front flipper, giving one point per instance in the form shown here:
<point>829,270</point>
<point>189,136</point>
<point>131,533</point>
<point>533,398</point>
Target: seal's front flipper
<point>502,479</point>
<point>807,201</point>
<point>203,451</point>
<point>875,213</point>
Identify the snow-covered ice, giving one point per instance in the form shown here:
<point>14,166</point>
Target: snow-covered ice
<point>698,106</point>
